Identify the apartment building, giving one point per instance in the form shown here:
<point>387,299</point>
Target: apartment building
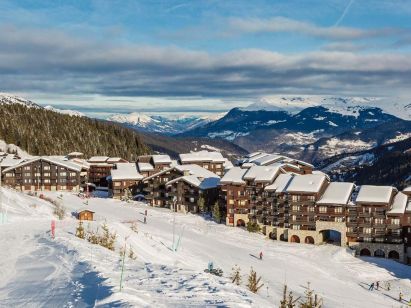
<point>125,180</point>
<point>213,161</point>
<point>180,186</point>
<point>100,168</point>
<point>45,173</point>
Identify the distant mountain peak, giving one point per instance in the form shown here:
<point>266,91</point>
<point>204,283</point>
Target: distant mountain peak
<point>8,99</point>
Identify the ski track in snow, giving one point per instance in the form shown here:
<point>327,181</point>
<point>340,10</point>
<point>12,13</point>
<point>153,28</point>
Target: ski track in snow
<point>37,271</point>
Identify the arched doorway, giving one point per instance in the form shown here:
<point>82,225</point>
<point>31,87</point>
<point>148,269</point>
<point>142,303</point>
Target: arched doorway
<point>295,239</point>
<point>272,236</point>
<point>365,252</point>
<point>393,255</point>
<point>240,223</point>
<point>283,238</point>
<point>379,253</point>
<point>309,240</point>
<point>331,237</point>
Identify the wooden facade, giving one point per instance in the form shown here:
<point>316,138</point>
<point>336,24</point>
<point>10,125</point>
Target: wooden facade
<point>85,215</point>
<point>43,174</point>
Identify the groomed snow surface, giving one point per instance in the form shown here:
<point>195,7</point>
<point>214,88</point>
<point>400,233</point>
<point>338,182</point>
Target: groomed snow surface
<point>38,271</point>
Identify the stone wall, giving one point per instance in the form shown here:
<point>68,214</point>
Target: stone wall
<point>240,216</point>
<point>335,226</point>
<point>372,247</point>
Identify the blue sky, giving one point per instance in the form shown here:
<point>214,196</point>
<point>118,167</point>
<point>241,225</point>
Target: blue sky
<point>201,55</point>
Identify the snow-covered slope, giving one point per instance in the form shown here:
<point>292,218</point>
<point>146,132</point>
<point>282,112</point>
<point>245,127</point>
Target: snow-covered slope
<point>8,99</point>
<point>66,111</point>
<point>69,272</point>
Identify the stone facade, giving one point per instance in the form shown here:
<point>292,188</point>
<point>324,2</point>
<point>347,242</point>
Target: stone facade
<point>373,247</point>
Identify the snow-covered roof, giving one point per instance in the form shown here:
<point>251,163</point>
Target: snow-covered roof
<point>269,159</point>
<point>407,190</point>
<point>113,160</point>
<point>81,162</point>
<point>247,165</point>
<point>53,160</point>
<point>228,164</point>
<point>252,154</point>
<point>202,156</point>
<point>234,176</point>
<point>262,173</point>
<point>75,154</point>
<point>145,167</point>
<point>202,183</point>
<point>338,193</point>
<point>98,159</point>
<point>306,183</point>
<point>125,171</point>
<point>399,204</point>
<point>256,157</point>
<point>161,159</point>
<point>9,161</point>
<point>375,194</point>
<point>281,183</point>
<point>196,170</point>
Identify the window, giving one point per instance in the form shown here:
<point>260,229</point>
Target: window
<point>46,174</point>
<point>295,207</point>
<point>73,174</point>
<point>46,167</point>
<point>338,219</point>
<point>242,202</point>
<point>311,209</point>
<point>378,221</point>
<point>295,198</point>
<point>191,199</point>
<point>338,209</point>
<point>367,230</point>
<point>322,209</point>
<point>27,174</point>
<point>231,201</point>
<point>296,227</point>
<point>367,239</point>
<point>395,221</point>
<point>63,180</point>
<point>47,181</point>
<point>27,181</point>
<point>310,198</point>
<point>37,174</point>
<point>205,166</point>
<point>63,173</point>
<point>9,174</point>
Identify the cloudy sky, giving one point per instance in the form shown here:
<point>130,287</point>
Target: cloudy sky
<point>166,55</point>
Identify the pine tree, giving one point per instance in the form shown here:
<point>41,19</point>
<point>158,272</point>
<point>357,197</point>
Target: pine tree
<point>131,254</point>
<point>254,282</point>
<point>80,230</point>
<point>311,299</point>
<point>288,300</point>
<point>217,212</point>
<point>201,204</point>
<point>236,276</point>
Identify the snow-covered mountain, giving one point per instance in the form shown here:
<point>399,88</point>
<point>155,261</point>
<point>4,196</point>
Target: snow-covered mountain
<point>311,128</point>
<point>399,107</point>
<point>163,124</point>
<point>8,99</point>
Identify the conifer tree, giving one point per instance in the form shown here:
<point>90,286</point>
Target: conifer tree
<point>201,204</point>
<point>254,282</point>
<point>217,212</point>
<point>80,230</point>
<point>235,275</point>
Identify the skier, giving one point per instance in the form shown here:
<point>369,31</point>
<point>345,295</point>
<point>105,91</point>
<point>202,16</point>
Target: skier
<point>377,285</point>
<point>145,212</point>
<point>261,255</point>
<point>145,219</point>
<point>210,266</point>
<point>371,287</point>
<point>400,297</point>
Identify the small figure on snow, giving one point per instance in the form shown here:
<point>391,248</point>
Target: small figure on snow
<point>145,212</point>
<point>261,255</point>
<point>371,287</point>
<point>400,297</point>
<point>210,266</point>
<point>377,285</point>
<point>145,219</point>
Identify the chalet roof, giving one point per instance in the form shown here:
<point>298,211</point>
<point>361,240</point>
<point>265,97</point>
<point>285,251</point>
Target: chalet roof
<point>252,154</point>
<point>53,160</point>
<point>98,159</point>
<point>269,159</point>
<point>81,162</point>
<point>281,183</point>
<point>399,204</point>
<point>9,161</point>
<point>161,159</point>
<point>375,194</point>
<point>338,193</point>
<point>196,170</point>
<point>202,183</point>
<point>81,210</point>
<point>75,154</point>
<point>256,157</point>
<point>247,165</point>
<point>407,190</point>
<point>145,167</point>
<point>234,176</point>
<point>113,160</point>
<point>262,173</point>
<point>306,183</point>
<point>202,156</point>
<point>125,171</point>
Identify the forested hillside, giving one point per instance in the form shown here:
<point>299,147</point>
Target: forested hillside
<point>43,132</point>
